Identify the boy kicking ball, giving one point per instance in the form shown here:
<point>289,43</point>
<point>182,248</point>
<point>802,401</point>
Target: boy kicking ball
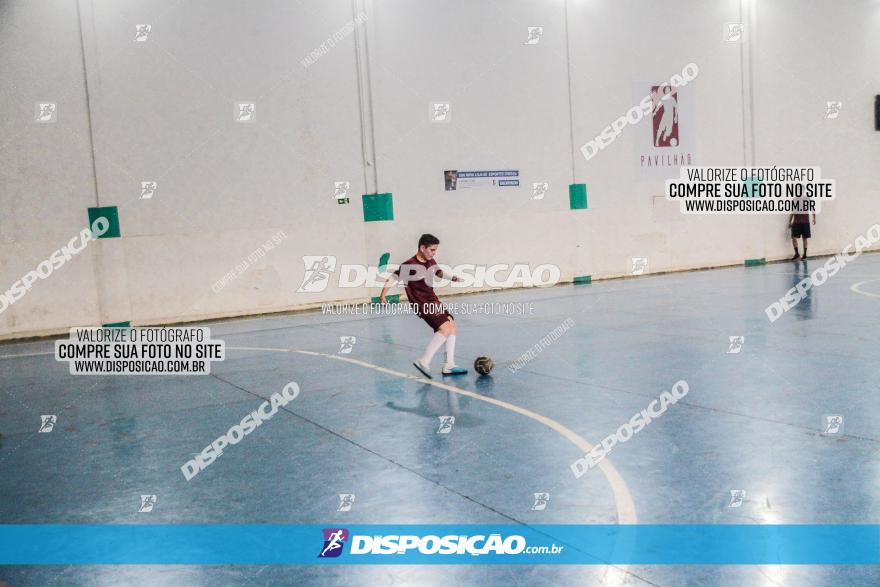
<point>417,271</point>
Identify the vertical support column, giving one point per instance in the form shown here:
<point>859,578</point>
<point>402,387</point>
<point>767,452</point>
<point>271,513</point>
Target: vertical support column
<point>377,207</point>
<point>747,10</point>
<point>111,280</point>
<point>365,95</point>
<point>580,255</point>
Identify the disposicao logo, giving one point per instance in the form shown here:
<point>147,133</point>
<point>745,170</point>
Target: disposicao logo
<point>334,540</point>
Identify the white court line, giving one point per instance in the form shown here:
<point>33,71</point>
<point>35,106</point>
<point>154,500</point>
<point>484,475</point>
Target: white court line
<point>626,509</point>
<point>615,575</point>
<point>855,287</point>
<point>27,355</point>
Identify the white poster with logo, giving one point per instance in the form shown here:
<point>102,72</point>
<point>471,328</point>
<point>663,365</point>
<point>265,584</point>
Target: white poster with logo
<point>665,140</point>
<point>463,180</point>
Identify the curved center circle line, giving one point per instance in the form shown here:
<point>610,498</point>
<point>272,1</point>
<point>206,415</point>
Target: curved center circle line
<point>626,509</point>
<point>855,287</point>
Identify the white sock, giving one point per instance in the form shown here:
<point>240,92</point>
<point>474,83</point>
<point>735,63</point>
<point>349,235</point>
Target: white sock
<point>433,346</point>
<point>450,351</point>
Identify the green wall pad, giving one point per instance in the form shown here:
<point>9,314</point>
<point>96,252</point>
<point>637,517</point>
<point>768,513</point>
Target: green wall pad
<point>577,196</point>
<point>756,262</point>
<point>583,279</point>
<point>125,324</point>
<point>383,261</point>
<point>112,216</point>
<point>378,207</point>
<point>751,186</point>
<point>393,299</point>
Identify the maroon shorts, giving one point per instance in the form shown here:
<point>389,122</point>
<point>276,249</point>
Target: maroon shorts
<point>434,319</point>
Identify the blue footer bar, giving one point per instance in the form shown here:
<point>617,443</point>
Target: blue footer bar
<point>439,544</point>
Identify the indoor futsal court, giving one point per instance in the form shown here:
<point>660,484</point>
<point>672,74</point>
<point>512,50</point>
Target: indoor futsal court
<point>386,292</point>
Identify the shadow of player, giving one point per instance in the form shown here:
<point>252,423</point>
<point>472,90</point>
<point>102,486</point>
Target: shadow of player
<point>434,403</point>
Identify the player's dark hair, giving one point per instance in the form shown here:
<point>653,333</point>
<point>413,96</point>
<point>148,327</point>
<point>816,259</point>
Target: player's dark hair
<point>428,240</point>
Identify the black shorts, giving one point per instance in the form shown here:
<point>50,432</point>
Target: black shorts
<point>800,230</point>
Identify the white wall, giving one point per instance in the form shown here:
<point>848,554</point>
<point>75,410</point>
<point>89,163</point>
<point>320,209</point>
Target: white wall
<point>46,178</point>
<point>163,110</point>
<point>806,54</point>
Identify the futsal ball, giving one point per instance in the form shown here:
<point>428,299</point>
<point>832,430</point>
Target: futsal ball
<point>483,365</point>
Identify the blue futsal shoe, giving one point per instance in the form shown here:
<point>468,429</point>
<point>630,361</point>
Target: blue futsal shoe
<point>454,370</point>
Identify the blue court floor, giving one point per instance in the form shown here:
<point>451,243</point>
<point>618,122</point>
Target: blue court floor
<point>364,424</point>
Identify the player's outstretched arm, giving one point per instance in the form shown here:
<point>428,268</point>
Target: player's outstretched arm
<point>389,283</point>
<point>449,276</point>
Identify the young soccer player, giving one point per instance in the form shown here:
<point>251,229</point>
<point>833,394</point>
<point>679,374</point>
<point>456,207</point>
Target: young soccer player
<point>417,275</point>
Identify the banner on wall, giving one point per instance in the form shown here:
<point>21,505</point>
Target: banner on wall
<point>666,139</point>
<point>463,180</point>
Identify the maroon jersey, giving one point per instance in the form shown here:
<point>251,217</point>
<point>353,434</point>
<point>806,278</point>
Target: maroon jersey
<point>801,219</point>
<point>418,289</point>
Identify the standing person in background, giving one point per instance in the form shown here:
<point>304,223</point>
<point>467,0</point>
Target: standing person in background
<point>800,227</point>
